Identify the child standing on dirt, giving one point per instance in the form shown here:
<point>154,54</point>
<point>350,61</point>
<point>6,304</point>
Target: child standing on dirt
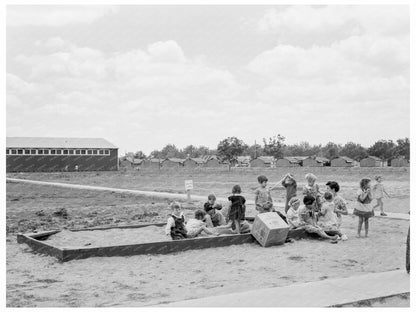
<point>312,189</point>
<point>364,210</point>
<point>211,208</point>
<point>175,226</point>
<point>290,185</point>
<point>237,208</point>
<point>378,193</point>
<point>263,199</point>
<point>196,226</point>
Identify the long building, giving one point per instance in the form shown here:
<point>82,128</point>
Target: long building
<point>26,154</point>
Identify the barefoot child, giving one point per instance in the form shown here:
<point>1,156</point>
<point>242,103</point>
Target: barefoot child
<point>290,185</point>
<point>263,199</point>
<point>175,226</point>
<point>237,208</point>
<point>378,193</point>
<point>196,226</point>
<point>364,209</point>
<point>327,219</point>
<point>211,208</point>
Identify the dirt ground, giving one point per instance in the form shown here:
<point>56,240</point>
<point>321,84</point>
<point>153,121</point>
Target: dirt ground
<point>34,280</point>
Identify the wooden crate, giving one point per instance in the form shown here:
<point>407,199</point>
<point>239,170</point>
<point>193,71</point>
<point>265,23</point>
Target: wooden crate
<point>269,229</point>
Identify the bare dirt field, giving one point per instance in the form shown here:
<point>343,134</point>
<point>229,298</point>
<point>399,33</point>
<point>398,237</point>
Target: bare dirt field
<point>36,281</point>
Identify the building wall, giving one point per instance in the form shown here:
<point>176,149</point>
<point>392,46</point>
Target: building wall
<point>285,163</point>
<point>309,162</point>
<point>189,163</point>
<point>258,163</point>
<point>339,162</point>
<point>399,162</point>
<point>32,163</point>
<point>150,164</point>
<point>369,162</point>
<point>170,164</point>
<point>212,163</point>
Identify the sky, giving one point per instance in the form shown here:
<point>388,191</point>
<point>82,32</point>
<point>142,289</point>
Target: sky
<point>145,76</point>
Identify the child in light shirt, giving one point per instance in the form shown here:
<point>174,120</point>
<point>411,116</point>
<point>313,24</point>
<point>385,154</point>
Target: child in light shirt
<point>196,226</point>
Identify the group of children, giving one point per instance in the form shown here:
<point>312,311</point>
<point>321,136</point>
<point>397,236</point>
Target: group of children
<point>321,212</point>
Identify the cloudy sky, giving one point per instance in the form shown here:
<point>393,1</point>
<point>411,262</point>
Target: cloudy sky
<point>145,76</point>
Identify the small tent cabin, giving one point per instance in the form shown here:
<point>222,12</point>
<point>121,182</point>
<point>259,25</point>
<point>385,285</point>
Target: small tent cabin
<point>400,162</point>
<point>371,161</point>
<point>342,161</point>
<point>263,161</point>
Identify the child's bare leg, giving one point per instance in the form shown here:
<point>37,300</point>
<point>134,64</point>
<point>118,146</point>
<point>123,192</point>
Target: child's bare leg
<point>366,226</point>
<point>360,225</point>
<point>208,231</point>
<point>237,226</point>
<point>222,219</point>
<point>381,204</point>
<point>208,221</point>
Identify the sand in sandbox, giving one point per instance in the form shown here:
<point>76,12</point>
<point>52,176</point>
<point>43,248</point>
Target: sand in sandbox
<point>111,237</point>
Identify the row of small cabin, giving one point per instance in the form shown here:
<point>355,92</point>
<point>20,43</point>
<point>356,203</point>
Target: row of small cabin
<point>263,161</point>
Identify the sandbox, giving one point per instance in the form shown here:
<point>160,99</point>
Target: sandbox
<point>126,240</point>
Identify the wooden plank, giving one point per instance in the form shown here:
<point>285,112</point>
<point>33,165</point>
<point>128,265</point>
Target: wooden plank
<point>157,247</point>
<point>40,246</point>
<point>129,226</point>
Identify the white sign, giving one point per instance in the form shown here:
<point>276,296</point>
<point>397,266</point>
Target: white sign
<point>189,185</point>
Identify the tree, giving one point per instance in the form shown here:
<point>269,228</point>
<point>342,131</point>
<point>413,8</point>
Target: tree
<point>190,150</point>
<point>274,146</point>
<point>331,150</point>
<point>354,151</point>
<point>403,148</point>
<point>303,149</point>
<point>229,148</point>
<point>386,150</point>
<point>156,154</point>
<point>255,151</point>
<point>169,151</point>
<point>140,155</point>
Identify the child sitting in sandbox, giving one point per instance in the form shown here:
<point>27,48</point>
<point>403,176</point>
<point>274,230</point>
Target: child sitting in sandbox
<point>196,226</point>
<point>175,226</point>
<point>211,208</point>
<point>307,219</point>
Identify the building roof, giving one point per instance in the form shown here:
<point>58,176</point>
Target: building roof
<point>46,142</point>
<point>199,160</point>
<point>155,160</point>
<point>266,159</point>
<point>374,157</point>
<point>296,159</point>
<point>321,159</point>
<point>177,160</point>
<point>347,159</point>
<point>243,159</point>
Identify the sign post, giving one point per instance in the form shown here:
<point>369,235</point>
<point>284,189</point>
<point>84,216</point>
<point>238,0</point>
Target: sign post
<point>189,185</point>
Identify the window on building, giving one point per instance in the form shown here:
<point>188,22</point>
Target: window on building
<point>83,152</point>
<point>107,152</point>
<point>27,152</point>
<point>46,152</point>
<point>40,152</point>
<point>7,152</point>
<point>77,152</point>
<point>101,152</point>
<point>65,152</point>
<point>95,152</point>
<point>20,152</point>
<point>58,152</point>
<point>53,152</point>
<point>33,152</point>
<point>89,152</point>
<point>71,152</point>
<point>14,152</point>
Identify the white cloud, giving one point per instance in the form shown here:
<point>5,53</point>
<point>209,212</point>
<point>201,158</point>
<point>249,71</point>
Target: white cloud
<point>306,25</point>
<point>44,15</point>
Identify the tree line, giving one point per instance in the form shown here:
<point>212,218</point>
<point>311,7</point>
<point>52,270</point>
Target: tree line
<point>231,147</point>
